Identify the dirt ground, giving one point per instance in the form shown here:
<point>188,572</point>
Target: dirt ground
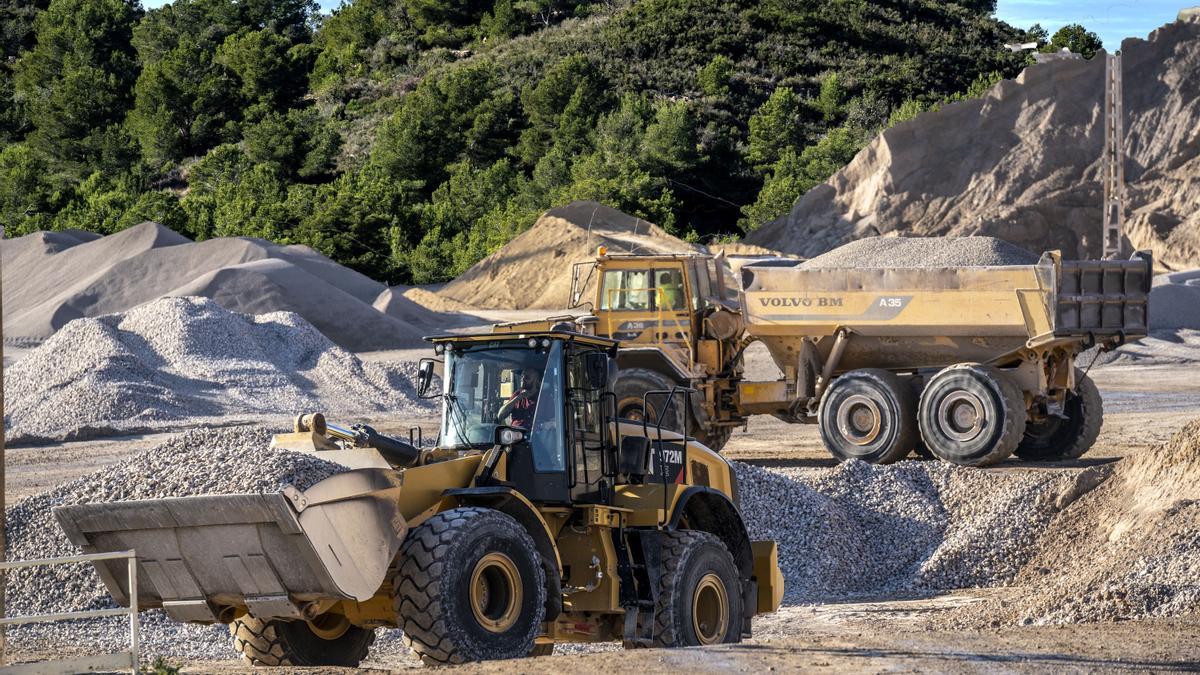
<point>1144,405</point>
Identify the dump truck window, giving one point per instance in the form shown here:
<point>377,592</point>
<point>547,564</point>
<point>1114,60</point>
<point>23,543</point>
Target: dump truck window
<point>669,283</point>
<point>627,290</point>
<point>702,288</point>
<point>547,436</point>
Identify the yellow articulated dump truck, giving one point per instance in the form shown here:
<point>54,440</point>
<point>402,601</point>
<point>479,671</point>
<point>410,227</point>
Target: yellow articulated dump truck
<point>538,518</point>
<point>971,364</point>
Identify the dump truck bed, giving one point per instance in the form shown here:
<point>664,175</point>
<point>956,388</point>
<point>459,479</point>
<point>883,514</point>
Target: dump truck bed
<point>933,317</point>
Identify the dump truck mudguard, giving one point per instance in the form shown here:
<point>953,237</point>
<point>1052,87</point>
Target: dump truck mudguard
<point>509,501</point>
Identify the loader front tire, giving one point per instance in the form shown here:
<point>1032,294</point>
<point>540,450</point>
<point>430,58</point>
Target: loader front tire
<point>699,599</point>
<point>471,587</point>
<point>869,414</point>
<point>972,415</point>
<point>1068,437</point>
<point>296,643</point>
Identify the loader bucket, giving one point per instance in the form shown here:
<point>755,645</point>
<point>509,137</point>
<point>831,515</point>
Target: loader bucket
<point>200,558</point>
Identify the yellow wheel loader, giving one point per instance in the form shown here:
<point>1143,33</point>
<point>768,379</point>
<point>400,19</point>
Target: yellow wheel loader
<point>539,517</point>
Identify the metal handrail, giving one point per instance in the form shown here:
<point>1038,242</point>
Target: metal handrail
<point>132,610</point>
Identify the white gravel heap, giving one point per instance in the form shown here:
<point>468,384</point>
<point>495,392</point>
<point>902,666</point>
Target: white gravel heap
<point>859,530</point>
<point>924,252</point>
<point>184,361</point>
<point>202,461</point>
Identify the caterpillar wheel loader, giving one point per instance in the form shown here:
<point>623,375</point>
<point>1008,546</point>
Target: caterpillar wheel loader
<point>539,517</point>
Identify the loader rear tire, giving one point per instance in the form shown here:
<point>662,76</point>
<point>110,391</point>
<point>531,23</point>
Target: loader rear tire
<point>294,643</point>
<point>869,414</point>
<point>972,415</point>
<point>699,599</point>
<point>1056,438</point>
<point>470,587</point>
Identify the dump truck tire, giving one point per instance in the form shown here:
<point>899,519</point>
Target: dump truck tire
<point>470,587</point>
<point>1060,439</point>
<point>699,600</point>
<point>972,415</point>
<point>630,387</point>
<point>869,414</point>
<point>294,643</point>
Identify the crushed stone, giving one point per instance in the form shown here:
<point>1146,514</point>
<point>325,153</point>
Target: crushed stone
<point>924,252</point>
<point>234,460</point>
<point>178,362</point>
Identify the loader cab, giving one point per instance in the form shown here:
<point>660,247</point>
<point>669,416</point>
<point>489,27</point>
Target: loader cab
<point>563,452</point>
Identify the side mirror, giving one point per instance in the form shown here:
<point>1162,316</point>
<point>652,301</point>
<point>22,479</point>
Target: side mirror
<point>595,365</point>
<point>426,369</point>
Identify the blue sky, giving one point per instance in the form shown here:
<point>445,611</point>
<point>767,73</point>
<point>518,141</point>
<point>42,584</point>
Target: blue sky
<point>1112,20</point>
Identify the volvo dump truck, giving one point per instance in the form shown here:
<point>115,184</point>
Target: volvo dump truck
<point>971,364</point>
<point>539,517</point>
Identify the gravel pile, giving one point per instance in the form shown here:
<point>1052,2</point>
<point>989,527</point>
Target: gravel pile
<point>859,530</point>
<point>202,461</point>
<point>186,361</point>
<point>1125,551</point>
<point>924,252</point>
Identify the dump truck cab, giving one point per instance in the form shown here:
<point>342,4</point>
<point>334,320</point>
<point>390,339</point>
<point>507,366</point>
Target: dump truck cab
<point>679,323</point>
<point>564,523</point>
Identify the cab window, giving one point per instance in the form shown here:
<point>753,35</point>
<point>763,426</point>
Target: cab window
<point>643,290</point>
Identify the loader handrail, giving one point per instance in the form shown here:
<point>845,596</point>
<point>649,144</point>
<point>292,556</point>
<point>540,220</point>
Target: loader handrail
<point>662,470</point>
<point>104,662</point>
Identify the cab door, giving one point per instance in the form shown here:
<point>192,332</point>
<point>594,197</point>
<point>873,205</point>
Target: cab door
<point>538,468</point>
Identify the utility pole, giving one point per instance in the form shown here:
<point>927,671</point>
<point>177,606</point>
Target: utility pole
<point>1113,161</point>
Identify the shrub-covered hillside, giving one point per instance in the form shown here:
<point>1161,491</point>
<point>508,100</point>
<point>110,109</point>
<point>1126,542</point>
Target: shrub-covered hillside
<point>408,138</point>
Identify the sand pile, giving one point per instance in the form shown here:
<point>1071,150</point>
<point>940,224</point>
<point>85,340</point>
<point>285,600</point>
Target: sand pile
<point>533,271</point>
<point>184,361</point>
<point>1175,301</point>
<point>51,278</point>
<point>1127,550</point>
<point>203,461</point>
<point>1022,163</point>
<point>923,252</point>
<point>859,530</point>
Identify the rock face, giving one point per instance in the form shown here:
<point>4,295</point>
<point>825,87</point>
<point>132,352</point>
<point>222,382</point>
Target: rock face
<point>1022,163</point>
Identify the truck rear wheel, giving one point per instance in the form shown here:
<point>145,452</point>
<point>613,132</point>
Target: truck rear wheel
<point>471,587</point>
<point>971,414</point>
<point>1069,437</point>
<point>699,600</point>
<point>331,641</point>
<point>869,414</point>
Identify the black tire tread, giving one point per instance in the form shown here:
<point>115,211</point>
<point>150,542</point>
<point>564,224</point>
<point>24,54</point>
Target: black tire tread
<point>261,643</point>
<point>906,419</point>
<point>1093,419</point>
<point>676,549</point>
<point>417,600</point>
<point>1013,400</point>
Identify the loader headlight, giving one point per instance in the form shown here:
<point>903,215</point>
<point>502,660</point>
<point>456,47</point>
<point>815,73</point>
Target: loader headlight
<point>533,343</point>
<point>509,436</point>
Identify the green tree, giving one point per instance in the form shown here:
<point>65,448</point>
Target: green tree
<point>774,128</point>
<point>1076,38</point>
<point>572,78</point>
<point>299,142</point>
<point>794,174</point>
<point>77,82</point>
<point>714,77</point>
<point>26,202</point>
<point>271,74</point>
